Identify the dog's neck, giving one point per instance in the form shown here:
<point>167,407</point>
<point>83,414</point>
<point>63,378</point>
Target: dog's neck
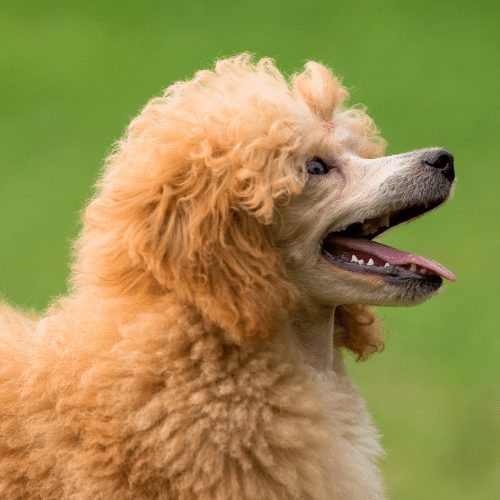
<point>312,326</point>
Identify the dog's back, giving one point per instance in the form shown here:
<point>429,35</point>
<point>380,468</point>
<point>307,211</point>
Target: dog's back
<point>17,344</point>
<point>17,338</point>
<point>14,324</point>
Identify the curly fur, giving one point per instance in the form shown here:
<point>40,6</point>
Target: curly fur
<point>168,371</point>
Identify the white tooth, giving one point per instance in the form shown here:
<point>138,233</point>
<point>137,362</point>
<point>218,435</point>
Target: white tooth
<point>422,270</point>
<point>361,262</point>
<point>370,262</point>
<point>413,268</point>
<point>387,264</point>
<point>370,227</point>
<point>354,259</point>
<point>384,221</point>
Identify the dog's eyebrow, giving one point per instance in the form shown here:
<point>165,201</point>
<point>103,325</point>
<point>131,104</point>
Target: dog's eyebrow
<point>328,125</point>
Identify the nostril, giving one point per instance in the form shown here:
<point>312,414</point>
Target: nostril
<point>442,160</point>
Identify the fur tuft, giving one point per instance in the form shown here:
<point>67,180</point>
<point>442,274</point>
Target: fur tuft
<point>357,329</point>
<point>319,89</point>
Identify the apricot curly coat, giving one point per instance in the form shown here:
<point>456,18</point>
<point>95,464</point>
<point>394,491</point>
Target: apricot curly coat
<point>167,372</point>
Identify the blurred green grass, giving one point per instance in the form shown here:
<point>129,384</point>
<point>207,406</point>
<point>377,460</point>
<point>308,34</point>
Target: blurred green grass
<point>74,73</point>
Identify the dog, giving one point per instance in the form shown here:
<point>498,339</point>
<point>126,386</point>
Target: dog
<point>225,264</point>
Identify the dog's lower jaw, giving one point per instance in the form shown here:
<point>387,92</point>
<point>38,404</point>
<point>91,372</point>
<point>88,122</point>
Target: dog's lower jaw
<point>312,327</point>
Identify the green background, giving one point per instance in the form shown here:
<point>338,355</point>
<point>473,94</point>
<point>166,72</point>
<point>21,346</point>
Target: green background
<point>72,74</point>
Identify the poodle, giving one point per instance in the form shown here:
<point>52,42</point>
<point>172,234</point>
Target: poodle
<point>224,265</point>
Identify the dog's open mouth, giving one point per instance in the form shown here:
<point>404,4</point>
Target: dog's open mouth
<point>353,249</point>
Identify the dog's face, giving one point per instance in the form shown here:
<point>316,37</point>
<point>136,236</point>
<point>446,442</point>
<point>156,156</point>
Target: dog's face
<point>240,190</point>
<point>326,232</point>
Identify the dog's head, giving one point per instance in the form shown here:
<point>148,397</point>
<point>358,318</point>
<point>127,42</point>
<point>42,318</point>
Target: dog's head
<point>243,193</point>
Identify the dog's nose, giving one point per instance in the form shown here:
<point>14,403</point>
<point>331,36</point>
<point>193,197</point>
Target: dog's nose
<point>442,160</point>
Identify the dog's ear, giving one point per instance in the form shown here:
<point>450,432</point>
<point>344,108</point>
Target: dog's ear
<point>179,211</point>
<point>319,89</point>
<point>358,329</point>
<point>217,256</point>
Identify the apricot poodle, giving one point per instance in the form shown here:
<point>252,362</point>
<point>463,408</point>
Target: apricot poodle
<point>225,261</point>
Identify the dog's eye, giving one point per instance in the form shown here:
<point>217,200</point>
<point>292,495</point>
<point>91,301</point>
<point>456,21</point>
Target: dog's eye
<point>317,167</point>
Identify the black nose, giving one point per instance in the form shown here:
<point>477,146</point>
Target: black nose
<point>442,160</point>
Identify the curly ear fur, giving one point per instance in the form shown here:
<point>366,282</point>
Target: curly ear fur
<point>186,200</point>
<point>357,329</point>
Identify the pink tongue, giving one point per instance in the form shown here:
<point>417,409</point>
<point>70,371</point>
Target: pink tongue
<point>392,255</point>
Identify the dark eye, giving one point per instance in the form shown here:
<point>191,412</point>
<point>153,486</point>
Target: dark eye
<point>317,167</point>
